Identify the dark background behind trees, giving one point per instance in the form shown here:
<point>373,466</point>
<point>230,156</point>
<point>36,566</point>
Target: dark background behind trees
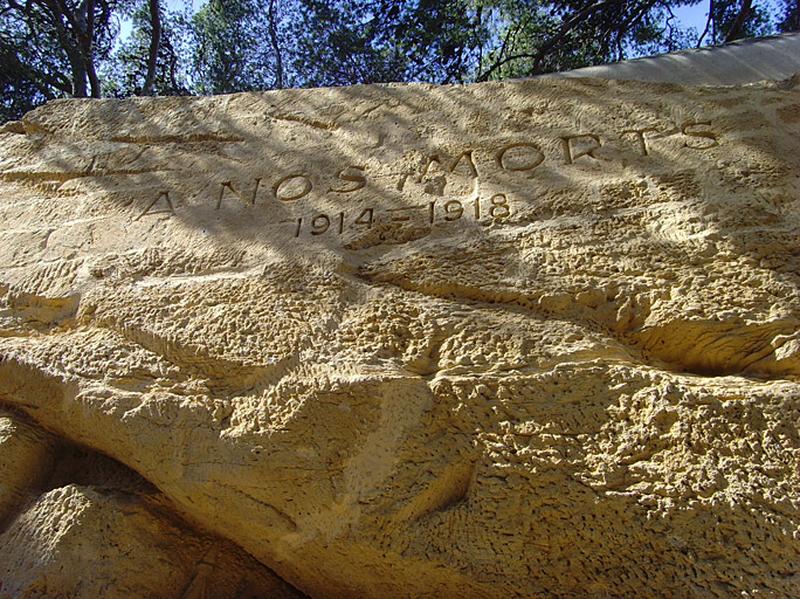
<point>74,48</point>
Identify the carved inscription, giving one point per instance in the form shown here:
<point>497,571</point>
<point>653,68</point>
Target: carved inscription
<point>450,177</point>
<point>354,178</point>
<point>520,157</point>
<point>640,138</point>
<point>496,208</point>
<point>702,137</point>
<point>575,146</point>
<point>463,164</point>
<point>292,187</point>
<point>228,185</point>
<point>167,202</point>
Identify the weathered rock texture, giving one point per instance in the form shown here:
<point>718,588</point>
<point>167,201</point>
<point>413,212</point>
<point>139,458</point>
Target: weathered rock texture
<point>534,339</point>
<point>92,528</point>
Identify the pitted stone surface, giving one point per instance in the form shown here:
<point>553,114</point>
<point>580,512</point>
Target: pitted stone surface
<point>530,339</point>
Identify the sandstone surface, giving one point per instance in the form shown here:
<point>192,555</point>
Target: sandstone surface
<point>525,339</point>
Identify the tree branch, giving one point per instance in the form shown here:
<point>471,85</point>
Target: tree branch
<point>538,56</point>
<point>57,11</point>
<point>276,48</point>
<point>155,41</point>
<point>708,23</point>
<point>87,43</point>
<point>737,28</point>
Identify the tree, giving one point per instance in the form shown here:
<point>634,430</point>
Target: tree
<point>790,17</point>
<point>237,46</point>
<point>155,43</point>
<point>154,60</point>
<point>75,34</point>
<point>563,34</point>
<point>363,41</point>
<point>30,73</point>
<point>57,48</point>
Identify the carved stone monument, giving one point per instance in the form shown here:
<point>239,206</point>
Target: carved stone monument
<point>526,339</point>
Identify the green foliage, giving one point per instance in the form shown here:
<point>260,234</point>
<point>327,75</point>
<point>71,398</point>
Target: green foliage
<point>55,48</point>
<point>125,74</point>
<point>230,49</point>
<point>363,41</point>
<point>48,49</point>
<point>789,17</point>
<point>31,68</point>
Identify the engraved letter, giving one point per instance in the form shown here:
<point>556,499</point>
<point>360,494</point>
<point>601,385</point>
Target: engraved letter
<point>640,138</point>
<point>161,194</point>
<point>705,139</point>
<point>473,172</point>
<point>358,179</point>
<point>431,160</point>
<point>401,182</point>
<point>292,187</point>
<point>521,157</point>
<point>229,185</point>
<point>570,153</point>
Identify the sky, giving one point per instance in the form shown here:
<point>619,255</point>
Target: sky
<point>689,16</point>
<point>693,16</point>
<point>174,5</point>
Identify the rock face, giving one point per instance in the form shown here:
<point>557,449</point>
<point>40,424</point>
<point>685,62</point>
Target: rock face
<point>532,339</point>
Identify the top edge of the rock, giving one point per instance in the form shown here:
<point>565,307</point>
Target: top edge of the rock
<point>772,61</point>
<point>66,109</point>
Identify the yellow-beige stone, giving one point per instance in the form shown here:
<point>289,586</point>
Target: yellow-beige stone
<point>524,339</point>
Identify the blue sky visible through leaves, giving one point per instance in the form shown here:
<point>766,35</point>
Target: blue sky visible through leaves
<point>688,16</point>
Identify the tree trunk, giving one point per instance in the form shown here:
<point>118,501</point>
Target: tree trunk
<point>791,17</point>
<point>737,28</point>
<point>155,42</point>
<point>273,35</point>
<point>79,81</point>
<point>70,45</point>
<point>94,82</point>
<point>86,40</point>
